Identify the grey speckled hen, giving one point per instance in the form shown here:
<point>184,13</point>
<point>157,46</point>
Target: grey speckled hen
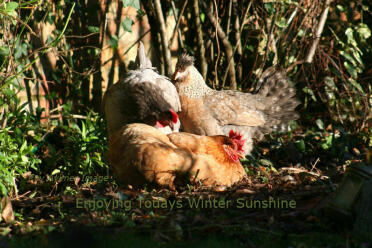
<point>142,96</point>
<point>209,112</point>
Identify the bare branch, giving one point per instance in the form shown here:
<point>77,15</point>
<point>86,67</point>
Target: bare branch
<point>226,43</point>
<point>178,20</point>
<point>164,39</point>
<point>199,31</point>
<point>139,39</point>
<point>319,30</point>
<point>239,49</point>
<point>20,21</point>
<point>229,19</point>
<point>238,43</point>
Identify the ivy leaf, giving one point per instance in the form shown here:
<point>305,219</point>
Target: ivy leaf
<point>269,8</point>
<point>132,3</point>
<point>127,24</point>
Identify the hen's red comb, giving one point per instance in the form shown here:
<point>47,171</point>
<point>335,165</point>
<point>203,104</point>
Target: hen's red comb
<point>237,137</point>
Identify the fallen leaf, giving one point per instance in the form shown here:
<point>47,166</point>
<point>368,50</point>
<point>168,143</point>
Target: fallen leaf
<point>7,213</point>
<point>245,191</point>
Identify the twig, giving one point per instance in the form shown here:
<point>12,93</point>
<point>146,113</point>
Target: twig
<point>20,21</point>
<point>52,44</point>
<point>270,38</point>
<point>238,43</point>
<point>290,19</point>
<point>289,68</point>
<point>178,21</point>
<point>316,162</point>
<point>239,50</point>
<point>29,96</point>
<point>216,84</point>
<point>225,42</point>
<point>319,30</point>
<point>164,39</point>
<point>81,36</point>
<point>203,63</point>
<point>296,170</point>
<point>139,38</point>
<point>229,19</point>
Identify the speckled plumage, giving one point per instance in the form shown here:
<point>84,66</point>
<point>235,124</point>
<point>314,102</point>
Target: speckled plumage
<point>209,112</point>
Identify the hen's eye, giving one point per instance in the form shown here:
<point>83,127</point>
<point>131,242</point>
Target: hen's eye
<point>170,116</point>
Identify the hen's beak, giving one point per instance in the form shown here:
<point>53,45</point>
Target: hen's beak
<point>171,125</point>
<point>240,155</point>
<point>176,76</point>
<point>179,75</point>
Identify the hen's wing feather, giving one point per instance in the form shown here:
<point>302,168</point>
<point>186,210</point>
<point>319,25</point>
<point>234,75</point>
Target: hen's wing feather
<point>234,108</point>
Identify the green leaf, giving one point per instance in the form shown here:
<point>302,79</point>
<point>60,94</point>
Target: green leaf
<point>83,131</point>
<point>20,50</point>
<point>340,8</point>
<point>310,92</point>
<point>24,158</point>
<point>351,69</point>
<point>300,144</point>
<point>250,48</point>
<point>4,51</point>
<point>23,147</point>
<point>330,88</point>
<point>328,143</point>
<point>282,22</point>
<point>348,57</point>
<point>93,29</point>
<point>356,84</point>
<point>55,171</point>
<point>127,24</point>
<point>265,162</point>
<point>350,37</point>
<point>363,31</point>
<point>202,17</point>
<point>320,124</point>
<point>270,8</point>
<point>132,3</point>
<point>330,82</point>
<point>114,41</point>
<point>11,6</point>
<point>301,33</point>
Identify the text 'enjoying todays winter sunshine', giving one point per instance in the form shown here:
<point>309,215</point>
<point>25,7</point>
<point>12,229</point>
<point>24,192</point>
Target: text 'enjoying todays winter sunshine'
<point>239,203</point>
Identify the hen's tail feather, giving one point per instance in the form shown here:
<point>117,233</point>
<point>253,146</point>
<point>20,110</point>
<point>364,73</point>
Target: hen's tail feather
<point>141,59</point>
<point>279,99</point>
